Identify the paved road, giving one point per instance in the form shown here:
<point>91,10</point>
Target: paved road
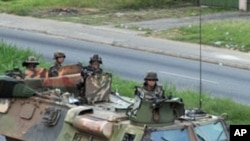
<point>217,80</point>
<point>129,39</point>
<point>162,24</point>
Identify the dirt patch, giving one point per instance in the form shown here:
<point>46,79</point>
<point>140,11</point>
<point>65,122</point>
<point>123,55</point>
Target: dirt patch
<point>63,11</point>
<point>95,16</point>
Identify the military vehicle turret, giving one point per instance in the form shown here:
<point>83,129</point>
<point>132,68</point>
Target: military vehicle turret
<point>29,115</point>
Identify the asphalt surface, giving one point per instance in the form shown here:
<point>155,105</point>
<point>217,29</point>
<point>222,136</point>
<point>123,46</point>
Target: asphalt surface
<point>132,39</point>
<point>160,24</point>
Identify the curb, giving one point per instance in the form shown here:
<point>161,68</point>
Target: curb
<point>109,41</point>
<point>139,48</point>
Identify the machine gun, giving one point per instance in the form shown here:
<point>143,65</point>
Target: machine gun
<point>15,73</point>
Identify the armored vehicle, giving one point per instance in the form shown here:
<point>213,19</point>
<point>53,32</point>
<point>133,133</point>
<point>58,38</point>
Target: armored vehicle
<point>29,115</point>
<point>69,76</point>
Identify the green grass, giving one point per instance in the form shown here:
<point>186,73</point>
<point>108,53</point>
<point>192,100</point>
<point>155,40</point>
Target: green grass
<point>108,4</point>
<point>121,16</point>
<point>104,12</point>
<point>224,34</point>
<point>11,57</point>
<point>124,87</point>
<point>238,114</point>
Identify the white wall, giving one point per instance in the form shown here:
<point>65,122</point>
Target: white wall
<point>243,5</point>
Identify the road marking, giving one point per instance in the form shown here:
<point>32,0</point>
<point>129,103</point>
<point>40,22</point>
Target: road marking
<point>188,77</point>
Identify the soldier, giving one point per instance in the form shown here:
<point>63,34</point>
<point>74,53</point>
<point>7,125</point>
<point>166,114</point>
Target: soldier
<point>30,63</point>
<point>93,67</point>
<point>150,89</point>
<point>59,59</point>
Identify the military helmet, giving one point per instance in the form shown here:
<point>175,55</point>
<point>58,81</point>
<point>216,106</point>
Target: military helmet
<point>151,76</point>
<point>59,54</point>
<point>30,60</point>
<point>95,58</point>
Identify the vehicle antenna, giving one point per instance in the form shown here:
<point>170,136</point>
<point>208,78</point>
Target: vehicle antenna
<point>14,63</point>
<point>200,42</point>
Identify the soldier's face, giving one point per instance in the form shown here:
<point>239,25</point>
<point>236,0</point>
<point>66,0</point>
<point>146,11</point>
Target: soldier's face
<point>31,66</point>
<point>151,82</point>
<point>60,60</point>
<point>95,65</point>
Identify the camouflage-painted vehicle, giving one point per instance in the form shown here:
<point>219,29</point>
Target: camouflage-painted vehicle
<point>69,76</point>
<point>43,72</point>
<point>28,115</point>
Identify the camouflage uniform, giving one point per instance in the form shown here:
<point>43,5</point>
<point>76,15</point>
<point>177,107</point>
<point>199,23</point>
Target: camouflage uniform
<point>146,92</point>
<point>89,69</point>
<point>53,70</point>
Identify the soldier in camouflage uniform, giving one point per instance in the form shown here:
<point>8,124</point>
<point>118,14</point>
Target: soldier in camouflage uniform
<point>150,89</point>
<point>93,67</point>
<point>59,59</point>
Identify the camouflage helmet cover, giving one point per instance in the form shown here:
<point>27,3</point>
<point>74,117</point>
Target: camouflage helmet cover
<point>59,54</point>
<point>151,76</point>
<point>95,58</point>
<point>30,60</point>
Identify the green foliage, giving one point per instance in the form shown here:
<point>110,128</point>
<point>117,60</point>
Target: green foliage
<point>94,3</point>
<point>124,87</point>
<point>224,34</point>
<point>96,12</point>
<point>27,7</point>
<point>22,11</point>
<point>138,4</point>
<point>237,113</point>
<point>11,57</point>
